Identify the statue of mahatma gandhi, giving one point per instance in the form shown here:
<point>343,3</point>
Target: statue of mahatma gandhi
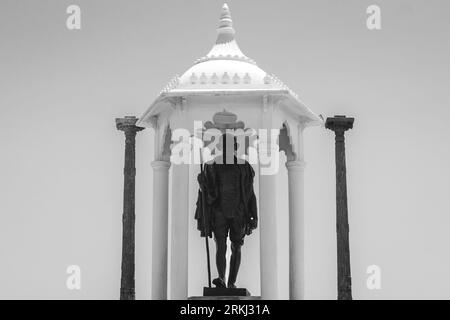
<point>230,207</point>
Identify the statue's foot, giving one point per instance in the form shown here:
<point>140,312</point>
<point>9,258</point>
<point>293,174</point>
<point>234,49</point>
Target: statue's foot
<point>219,283</point>
<point>231,286</point>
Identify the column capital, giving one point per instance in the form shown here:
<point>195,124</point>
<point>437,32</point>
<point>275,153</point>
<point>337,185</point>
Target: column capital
<point>159,165</point>
<point>295,165</point>
<point>339,124</point>
<point>128,124</point>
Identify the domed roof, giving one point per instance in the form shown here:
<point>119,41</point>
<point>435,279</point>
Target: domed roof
<point>225,69</point>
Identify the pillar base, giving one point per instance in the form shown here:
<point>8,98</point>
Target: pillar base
<point>127,294</point>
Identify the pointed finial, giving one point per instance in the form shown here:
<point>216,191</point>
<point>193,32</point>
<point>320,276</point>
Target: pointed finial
<point>225,30</point>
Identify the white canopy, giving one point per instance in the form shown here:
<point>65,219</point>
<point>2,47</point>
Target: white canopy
<point>225,70</point>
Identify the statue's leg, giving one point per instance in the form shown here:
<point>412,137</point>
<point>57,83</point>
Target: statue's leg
<point>237,240</point>
<point>221,260</point>
<point>235,262</point>
<point>220,236</point>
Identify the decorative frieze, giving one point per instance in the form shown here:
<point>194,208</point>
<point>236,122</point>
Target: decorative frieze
<point>226,78</point>
<point>247,79</point>
<point>193,79</point>
<point>225,57</point>
<point>214,78</point>
<point>203,78</point>
<point>236,78</point>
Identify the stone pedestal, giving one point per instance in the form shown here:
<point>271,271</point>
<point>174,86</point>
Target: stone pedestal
<point>225,292</point>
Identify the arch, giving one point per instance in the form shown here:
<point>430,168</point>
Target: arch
<point>166,142</point>
<point>285,142</point>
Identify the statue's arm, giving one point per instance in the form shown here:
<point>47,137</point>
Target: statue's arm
<point>210,184</point>
<point>251,204</point>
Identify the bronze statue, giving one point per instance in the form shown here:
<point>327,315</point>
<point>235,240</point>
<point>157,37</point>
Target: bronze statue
<point>230,208</point>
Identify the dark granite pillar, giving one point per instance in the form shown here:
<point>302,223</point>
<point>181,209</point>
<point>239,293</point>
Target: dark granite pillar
<point>340,124</point>
<point>127,125</point>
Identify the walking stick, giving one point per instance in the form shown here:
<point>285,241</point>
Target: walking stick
<point>205,228</point>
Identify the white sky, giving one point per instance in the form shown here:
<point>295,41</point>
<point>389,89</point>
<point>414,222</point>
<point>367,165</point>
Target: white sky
<point>62,158</point>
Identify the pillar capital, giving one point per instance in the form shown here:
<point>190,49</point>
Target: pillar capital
<point>159,165</point>
<point>339,124</point>
<point>128,124</point>
<point>295,165</point>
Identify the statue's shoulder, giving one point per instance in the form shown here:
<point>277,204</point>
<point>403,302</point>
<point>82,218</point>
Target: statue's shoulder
<point>209,166</point>
<point>247,164</point>
<point>209,162</point>
<point>213,161</point>
<point>249,168</point>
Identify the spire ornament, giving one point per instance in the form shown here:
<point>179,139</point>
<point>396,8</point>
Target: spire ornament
<point>225,32</point>
<point>226,47</point>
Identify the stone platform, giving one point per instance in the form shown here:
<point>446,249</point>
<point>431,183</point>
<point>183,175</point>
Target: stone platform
<point>225,294</point>
<point>225,298</point>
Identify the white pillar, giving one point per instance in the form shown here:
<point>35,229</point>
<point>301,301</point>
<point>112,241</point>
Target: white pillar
<point>296,229</point>
<point>268,232</point>
<point>179,232</point>
<point>160,228</point>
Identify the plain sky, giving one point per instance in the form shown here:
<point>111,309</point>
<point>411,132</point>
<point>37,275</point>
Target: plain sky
<point>61,157</point>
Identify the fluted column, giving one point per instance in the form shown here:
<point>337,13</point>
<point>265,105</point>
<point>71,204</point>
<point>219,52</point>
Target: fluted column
<point>127,283</point>
<point>340,124</point>
<point>160,228</point>
<point>296,229</point>
<point>268,229</point>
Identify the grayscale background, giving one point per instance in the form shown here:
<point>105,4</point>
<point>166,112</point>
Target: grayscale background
<point>61,157</point>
